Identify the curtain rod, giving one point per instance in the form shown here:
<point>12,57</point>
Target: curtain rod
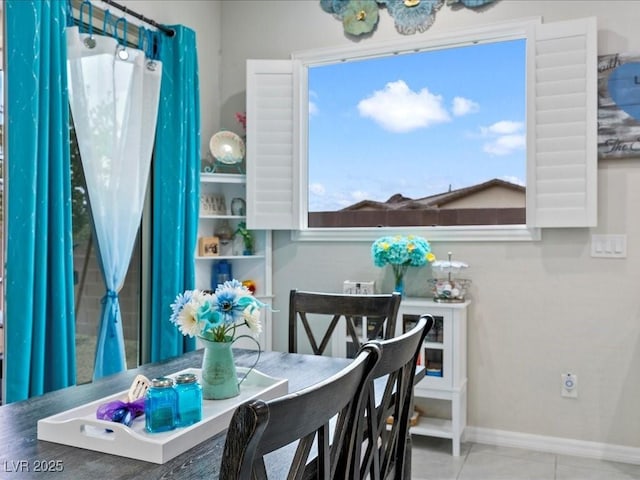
<point>167,31</point>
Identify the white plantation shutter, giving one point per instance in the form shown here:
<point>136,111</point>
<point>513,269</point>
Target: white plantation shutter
<point>562,125</point>
<point>271,170</point>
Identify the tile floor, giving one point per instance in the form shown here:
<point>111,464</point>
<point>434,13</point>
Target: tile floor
<point>432,460</point>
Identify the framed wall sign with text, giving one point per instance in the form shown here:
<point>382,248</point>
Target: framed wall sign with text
<point>619,105</point>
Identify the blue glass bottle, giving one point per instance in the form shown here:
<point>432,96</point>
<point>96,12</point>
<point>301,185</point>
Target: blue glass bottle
<point>160,406</point>
<point>189,399</point>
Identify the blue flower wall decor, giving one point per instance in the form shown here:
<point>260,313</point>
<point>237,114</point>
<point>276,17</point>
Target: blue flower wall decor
<point>410,16</point>
<point>360,16</point>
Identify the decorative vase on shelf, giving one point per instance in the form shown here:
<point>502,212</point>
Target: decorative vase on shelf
<point>398,275</point>
<point>219,377</point>
<point>399,287</point>
<point>401,252</point>
<point>238,207</point>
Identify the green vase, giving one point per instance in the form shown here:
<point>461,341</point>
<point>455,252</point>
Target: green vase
<point>219,378</point>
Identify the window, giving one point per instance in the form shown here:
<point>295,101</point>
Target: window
<point>435,137</point>
<point>560,123</point>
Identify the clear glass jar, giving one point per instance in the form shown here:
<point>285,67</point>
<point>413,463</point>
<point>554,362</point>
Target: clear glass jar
<point>189,399</point>
<point>160,406</point>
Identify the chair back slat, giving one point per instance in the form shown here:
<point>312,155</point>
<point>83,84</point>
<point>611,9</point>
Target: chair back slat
<point>327,309</point>
<point>323,415</point>
<point>381,451</point>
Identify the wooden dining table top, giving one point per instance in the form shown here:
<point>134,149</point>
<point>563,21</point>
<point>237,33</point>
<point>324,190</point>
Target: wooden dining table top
<point>22,455</point>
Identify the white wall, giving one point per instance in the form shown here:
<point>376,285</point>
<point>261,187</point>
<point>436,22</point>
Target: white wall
<point>539,308</point>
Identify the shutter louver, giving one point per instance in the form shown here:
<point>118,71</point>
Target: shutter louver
<point>562,179</point>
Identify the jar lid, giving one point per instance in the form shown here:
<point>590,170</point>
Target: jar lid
<point>186,378</point>
<point>162,382</point>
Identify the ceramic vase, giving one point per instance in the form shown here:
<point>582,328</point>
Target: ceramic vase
<point>219,378</point>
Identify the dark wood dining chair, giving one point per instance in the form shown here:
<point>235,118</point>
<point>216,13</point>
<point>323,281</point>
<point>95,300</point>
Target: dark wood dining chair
<point>258,428</point>
<point>383,451</point>
<point>324,311</point>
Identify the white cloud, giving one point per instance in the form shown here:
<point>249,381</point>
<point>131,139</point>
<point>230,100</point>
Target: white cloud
<point>505,144</point>
<point>399,109</point>
<point>503,127</point>
<point>317,189</point>
<point>505,137</point>
<point>463,106</point>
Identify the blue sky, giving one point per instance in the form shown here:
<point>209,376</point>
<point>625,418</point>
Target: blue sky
<point>416,123</point>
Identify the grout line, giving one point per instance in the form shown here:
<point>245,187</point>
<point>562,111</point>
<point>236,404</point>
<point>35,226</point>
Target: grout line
<point>464,462</point>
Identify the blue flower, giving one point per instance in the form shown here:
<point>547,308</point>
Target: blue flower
<point>176,307</point>
<point>227,301</point>
<point>359,16</point>
<point>410,16</point>
<point>471,3</point>
<point>215,316</point>
<point>401,250</point>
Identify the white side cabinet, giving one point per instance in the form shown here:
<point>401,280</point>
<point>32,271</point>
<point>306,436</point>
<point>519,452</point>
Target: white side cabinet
<point>444,355</point>
<point>217,191</point>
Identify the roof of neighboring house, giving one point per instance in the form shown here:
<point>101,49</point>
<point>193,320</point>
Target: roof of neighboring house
<point>399,201</point>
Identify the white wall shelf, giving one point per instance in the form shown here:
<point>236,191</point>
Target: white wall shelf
<point>256,267</point>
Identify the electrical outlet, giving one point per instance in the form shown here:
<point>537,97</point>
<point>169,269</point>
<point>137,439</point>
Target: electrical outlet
<point>358,288</point>
<point>569,386</point>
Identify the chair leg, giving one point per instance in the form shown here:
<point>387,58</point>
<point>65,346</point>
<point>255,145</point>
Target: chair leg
<point>407,456</point>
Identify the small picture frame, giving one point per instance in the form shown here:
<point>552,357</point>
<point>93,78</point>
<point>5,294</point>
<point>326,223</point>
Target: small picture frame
<point>212,204</point>
<point>208,246</point>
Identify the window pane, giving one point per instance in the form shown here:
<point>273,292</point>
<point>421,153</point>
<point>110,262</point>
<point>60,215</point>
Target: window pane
<point>89,285</point>
<point>428,138</point>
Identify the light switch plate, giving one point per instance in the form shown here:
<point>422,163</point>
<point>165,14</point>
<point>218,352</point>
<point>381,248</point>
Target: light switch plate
<point>609,246</point>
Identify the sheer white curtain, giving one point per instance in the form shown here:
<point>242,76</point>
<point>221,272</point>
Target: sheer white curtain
<point>113,93</point>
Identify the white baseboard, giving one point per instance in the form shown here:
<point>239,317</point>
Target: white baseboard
<point>560,446</point>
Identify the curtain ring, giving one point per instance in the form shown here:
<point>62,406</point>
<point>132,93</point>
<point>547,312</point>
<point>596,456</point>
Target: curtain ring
<point>123,40</point>
<point>69,14</point>
<point>142,35</point>
<point>121,51</point>
<point>89,42</point>
<point>90,13</point>
<point>106,22</point>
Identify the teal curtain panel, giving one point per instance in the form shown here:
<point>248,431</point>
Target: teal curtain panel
<point>39,319</point>
<point>176,190</point>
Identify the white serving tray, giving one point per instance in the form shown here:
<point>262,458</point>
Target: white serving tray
<point>79,426</point>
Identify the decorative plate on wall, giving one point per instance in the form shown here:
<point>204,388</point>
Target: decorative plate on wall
<point>227,147</point>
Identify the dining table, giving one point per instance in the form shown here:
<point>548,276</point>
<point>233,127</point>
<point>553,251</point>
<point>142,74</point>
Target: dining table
<point>23,455</point>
